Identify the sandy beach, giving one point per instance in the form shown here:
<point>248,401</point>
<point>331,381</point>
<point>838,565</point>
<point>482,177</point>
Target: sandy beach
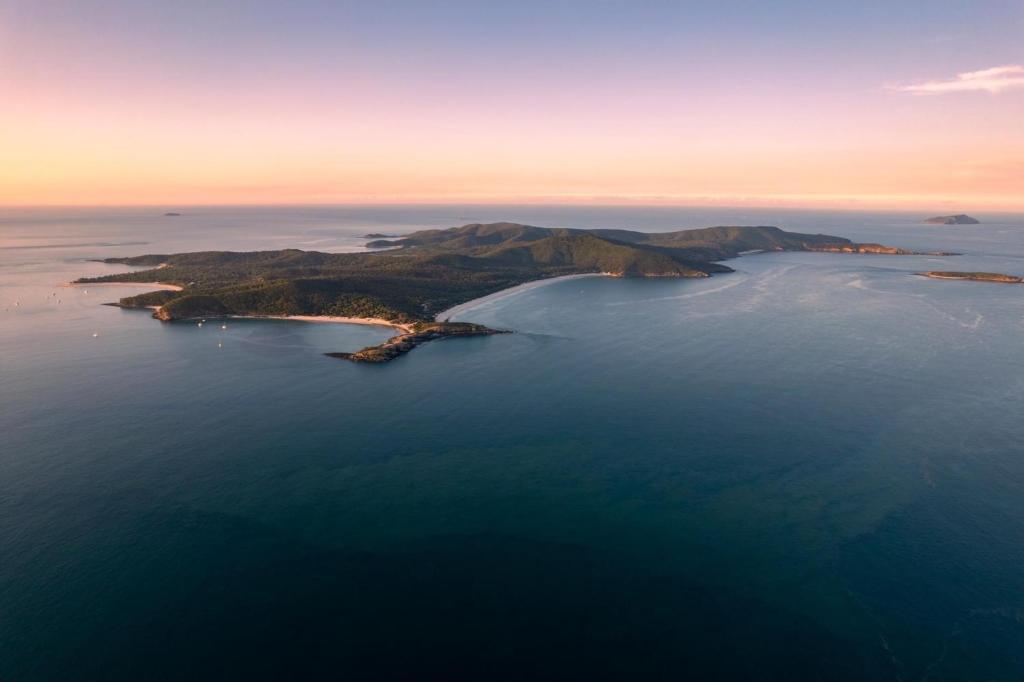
<point>148,285</point>
<point>374,321</point>
<point>511,291</point>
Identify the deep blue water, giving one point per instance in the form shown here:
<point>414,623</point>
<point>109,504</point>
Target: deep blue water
<point>812,468</point>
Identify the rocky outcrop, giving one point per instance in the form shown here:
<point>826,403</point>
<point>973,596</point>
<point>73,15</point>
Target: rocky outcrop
<point>151,299</point>
<point>975,276</point>
<point>421,333</point>
<point>958,219</point>
<point>872,248</point>
<point>189,307</point>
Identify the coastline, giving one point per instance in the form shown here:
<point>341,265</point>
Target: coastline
<point>334,319</point>
<point>931,275</point>
<point>511,291</point>
<point>149,285</point>
<point>373,321</point>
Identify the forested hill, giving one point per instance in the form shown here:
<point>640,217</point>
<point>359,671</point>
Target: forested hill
<point>429,271</point>
<point>701,244</point>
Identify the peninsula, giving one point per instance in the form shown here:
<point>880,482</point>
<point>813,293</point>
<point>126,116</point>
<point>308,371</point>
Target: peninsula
<point>975,276</point>
<point>430,271</point>
<point>958,219</point>
<point>418,333</point>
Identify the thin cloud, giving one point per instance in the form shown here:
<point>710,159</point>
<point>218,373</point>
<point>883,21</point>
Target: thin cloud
<point>994,80</point>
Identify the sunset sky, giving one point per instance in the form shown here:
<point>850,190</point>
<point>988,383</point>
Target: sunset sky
<point>872,104</point>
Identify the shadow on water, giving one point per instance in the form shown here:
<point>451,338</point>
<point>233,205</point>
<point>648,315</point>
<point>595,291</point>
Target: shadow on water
<point>458,607</point>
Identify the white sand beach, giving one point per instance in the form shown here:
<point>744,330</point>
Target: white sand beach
<point>148,285</point>
<point>375,321</point>
<point>511,291</point>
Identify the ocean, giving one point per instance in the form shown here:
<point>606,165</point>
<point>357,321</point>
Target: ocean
<point>809,469</point>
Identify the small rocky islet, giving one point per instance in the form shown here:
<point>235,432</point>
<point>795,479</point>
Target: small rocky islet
<point>958,219</point>
<point>996,277</point>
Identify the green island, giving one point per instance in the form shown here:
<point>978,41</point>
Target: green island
<point>975,276</point>
<point>418,277</point>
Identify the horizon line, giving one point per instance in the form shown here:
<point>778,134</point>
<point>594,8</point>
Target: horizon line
<point>917,206</point>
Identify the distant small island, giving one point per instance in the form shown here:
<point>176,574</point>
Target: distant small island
<point>172,214</point>
<point>429,272</point>
<point>378,235</point>
<point>959,219</point>
<point>975,276</point>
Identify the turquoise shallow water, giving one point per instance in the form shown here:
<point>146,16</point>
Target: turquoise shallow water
<point>809,469</point>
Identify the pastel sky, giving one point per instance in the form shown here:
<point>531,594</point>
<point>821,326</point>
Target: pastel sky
<point>908,103</point>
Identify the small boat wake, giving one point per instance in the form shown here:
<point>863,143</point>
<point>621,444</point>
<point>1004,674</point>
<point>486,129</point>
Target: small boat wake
<point>692,294</point>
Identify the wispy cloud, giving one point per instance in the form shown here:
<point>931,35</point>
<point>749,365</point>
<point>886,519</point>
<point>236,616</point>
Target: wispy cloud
<point>994,80</point>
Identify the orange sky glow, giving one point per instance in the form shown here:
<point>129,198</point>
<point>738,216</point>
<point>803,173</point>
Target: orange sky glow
<point>89,119</point>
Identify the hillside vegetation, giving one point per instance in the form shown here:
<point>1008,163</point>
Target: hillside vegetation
<point>432,270</point>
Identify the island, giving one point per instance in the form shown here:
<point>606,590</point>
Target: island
<point>378,235</point>
<point>975,276</point>
<point>958,219</point>
<point>172,214</point>
<point>420,276</point>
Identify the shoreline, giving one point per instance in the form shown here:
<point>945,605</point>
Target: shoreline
<point>445,315</point>
<point>371,321</point>
<point>332,319</point>
<point>150,285</point>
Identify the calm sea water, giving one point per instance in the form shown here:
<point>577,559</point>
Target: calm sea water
<point>810,469</point>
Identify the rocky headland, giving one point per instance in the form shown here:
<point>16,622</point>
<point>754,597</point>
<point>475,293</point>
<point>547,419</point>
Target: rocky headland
<point>975,276</point>
<point>874,248</point>
<point>420,333</point>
